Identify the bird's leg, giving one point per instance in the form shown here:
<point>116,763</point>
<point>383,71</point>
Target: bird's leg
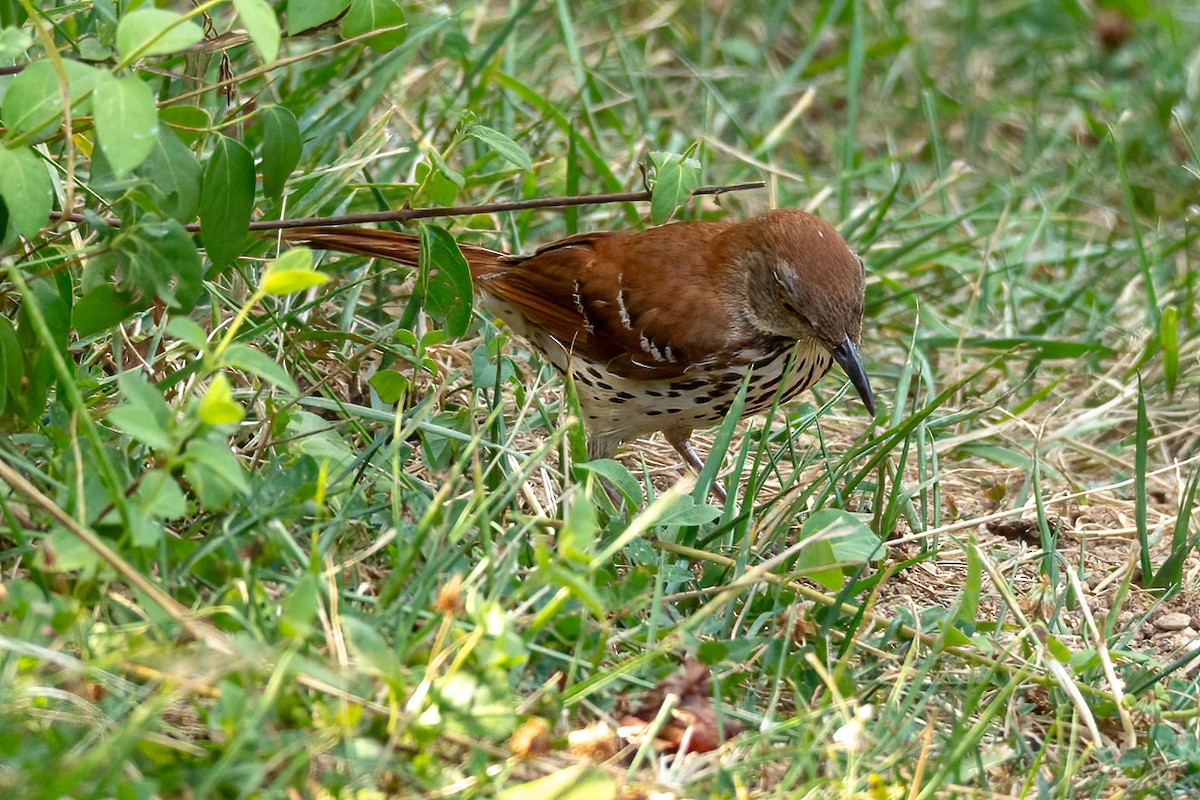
<point>682,442</point>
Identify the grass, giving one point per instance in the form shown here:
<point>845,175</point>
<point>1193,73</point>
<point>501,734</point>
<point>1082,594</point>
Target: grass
<point>380,595</point>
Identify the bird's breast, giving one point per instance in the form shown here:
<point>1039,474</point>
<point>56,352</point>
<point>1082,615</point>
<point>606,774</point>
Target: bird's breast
<point>624,408</point>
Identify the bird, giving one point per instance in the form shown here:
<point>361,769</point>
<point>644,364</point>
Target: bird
<point>660,326</point>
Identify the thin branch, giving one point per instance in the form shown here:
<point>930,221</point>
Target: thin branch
<point>402,214</point>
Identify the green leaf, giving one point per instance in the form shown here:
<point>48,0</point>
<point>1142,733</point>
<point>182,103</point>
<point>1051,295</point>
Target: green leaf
<point>1168,335</point>
<point>33,102</point>
<point>172,176</point>
<point>245,357</point>
<point>101,308</point>
<point>292,272</point>
<point>447,279</point>
<point>852,540</point>
<point>26,189</point>
<point>837,537</point>
<point>389,384</point>
<point>12,362</point>
<point>144,396</point>
<point>1057,649</point>
<point>675,180</point>
<point>1048,348</point>
<point>440,189</point>
<point>152,31</point>
<point>505,147</point>
<point>126,121</point>
<point>281,147</point>
<point>135,422</point>
<point>188,330</point>
<point>577,537</point>
<point>578,782</point>
<point>298,609</point>
<point>152,258</point>
<point>159,496</point>
<point>260,22</point>
<point>218,407</point>
<point>226,201</point>
<point>186,122</point>
<point>305,14</point>
<point>365,16</point>
<point>13,43</point>
<point>615,473</point>
<point>370,650</point>
<point>214,472</point>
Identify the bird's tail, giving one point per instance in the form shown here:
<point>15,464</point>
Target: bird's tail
<point>403,248</point>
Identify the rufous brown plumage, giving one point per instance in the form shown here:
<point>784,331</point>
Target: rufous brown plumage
<point>659,327</point>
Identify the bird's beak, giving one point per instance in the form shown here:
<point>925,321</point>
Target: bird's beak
<point>847,355</point>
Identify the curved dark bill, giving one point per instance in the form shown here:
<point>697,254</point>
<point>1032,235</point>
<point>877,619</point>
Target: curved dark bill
<point>847,355</point>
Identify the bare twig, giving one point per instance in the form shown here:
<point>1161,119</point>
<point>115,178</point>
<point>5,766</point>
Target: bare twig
<point>401,214</point>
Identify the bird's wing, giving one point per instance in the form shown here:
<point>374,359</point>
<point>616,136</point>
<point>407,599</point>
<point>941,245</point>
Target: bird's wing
<point>641,304</point>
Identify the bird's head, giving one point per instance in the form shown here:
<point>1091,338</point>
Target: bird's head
<point>802,282</point>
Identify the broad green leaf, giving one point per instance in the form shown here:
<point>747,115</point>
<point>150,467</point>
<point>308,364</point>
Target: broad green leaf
<point>70,554</point>
<point>389,384</point>
<point>439,188</point>
<point>288,281</point>
<point>305,14</point>
<point>154,258</point>
<point>245,357</point>
<point>186,329</point>
<point>172,176</point>
<point>298,609</point>
<point>578,782</point>
<point>260,22</point>
<point>226,201</point>
<point>33,102</point>
<point>159,496</point>
<point>91,49</point>
<point>136,423</point>
<point>281,147</point>
<point>577,537</point>
<point>26,189</point>
<point>675,180</point>
<point>365,16</point>
<point>447,279</point>
<point>13,43</point>
<point>615,473</point>
<point>126,121</point>
<point>214,473</point>
<point>370,650</point>
<point>837,537</point>
<point>189,123</point>
<point>144,396</point>
<point>292,272</point>
<point>218,407</point>
<point>816,561</point>
<point>851,539</point>
<point>504,147</point>
<point>1057,649</point>
<point>100,308</point>
<point>152,31</point>
<point>581,587</point>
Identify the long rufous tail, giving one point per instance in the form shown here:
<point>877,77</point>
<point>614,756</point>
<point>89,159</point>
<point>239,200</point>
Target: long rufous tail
<point>403,248</point>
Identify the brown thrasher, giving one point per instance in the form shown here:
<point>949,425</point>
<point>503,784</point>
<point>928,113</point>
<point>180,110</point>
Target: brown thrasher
<point>660,326</point>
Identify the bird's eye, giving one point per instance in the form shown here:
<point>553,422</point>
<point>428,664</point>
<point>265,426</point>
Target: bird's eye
<point>787,304</point>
